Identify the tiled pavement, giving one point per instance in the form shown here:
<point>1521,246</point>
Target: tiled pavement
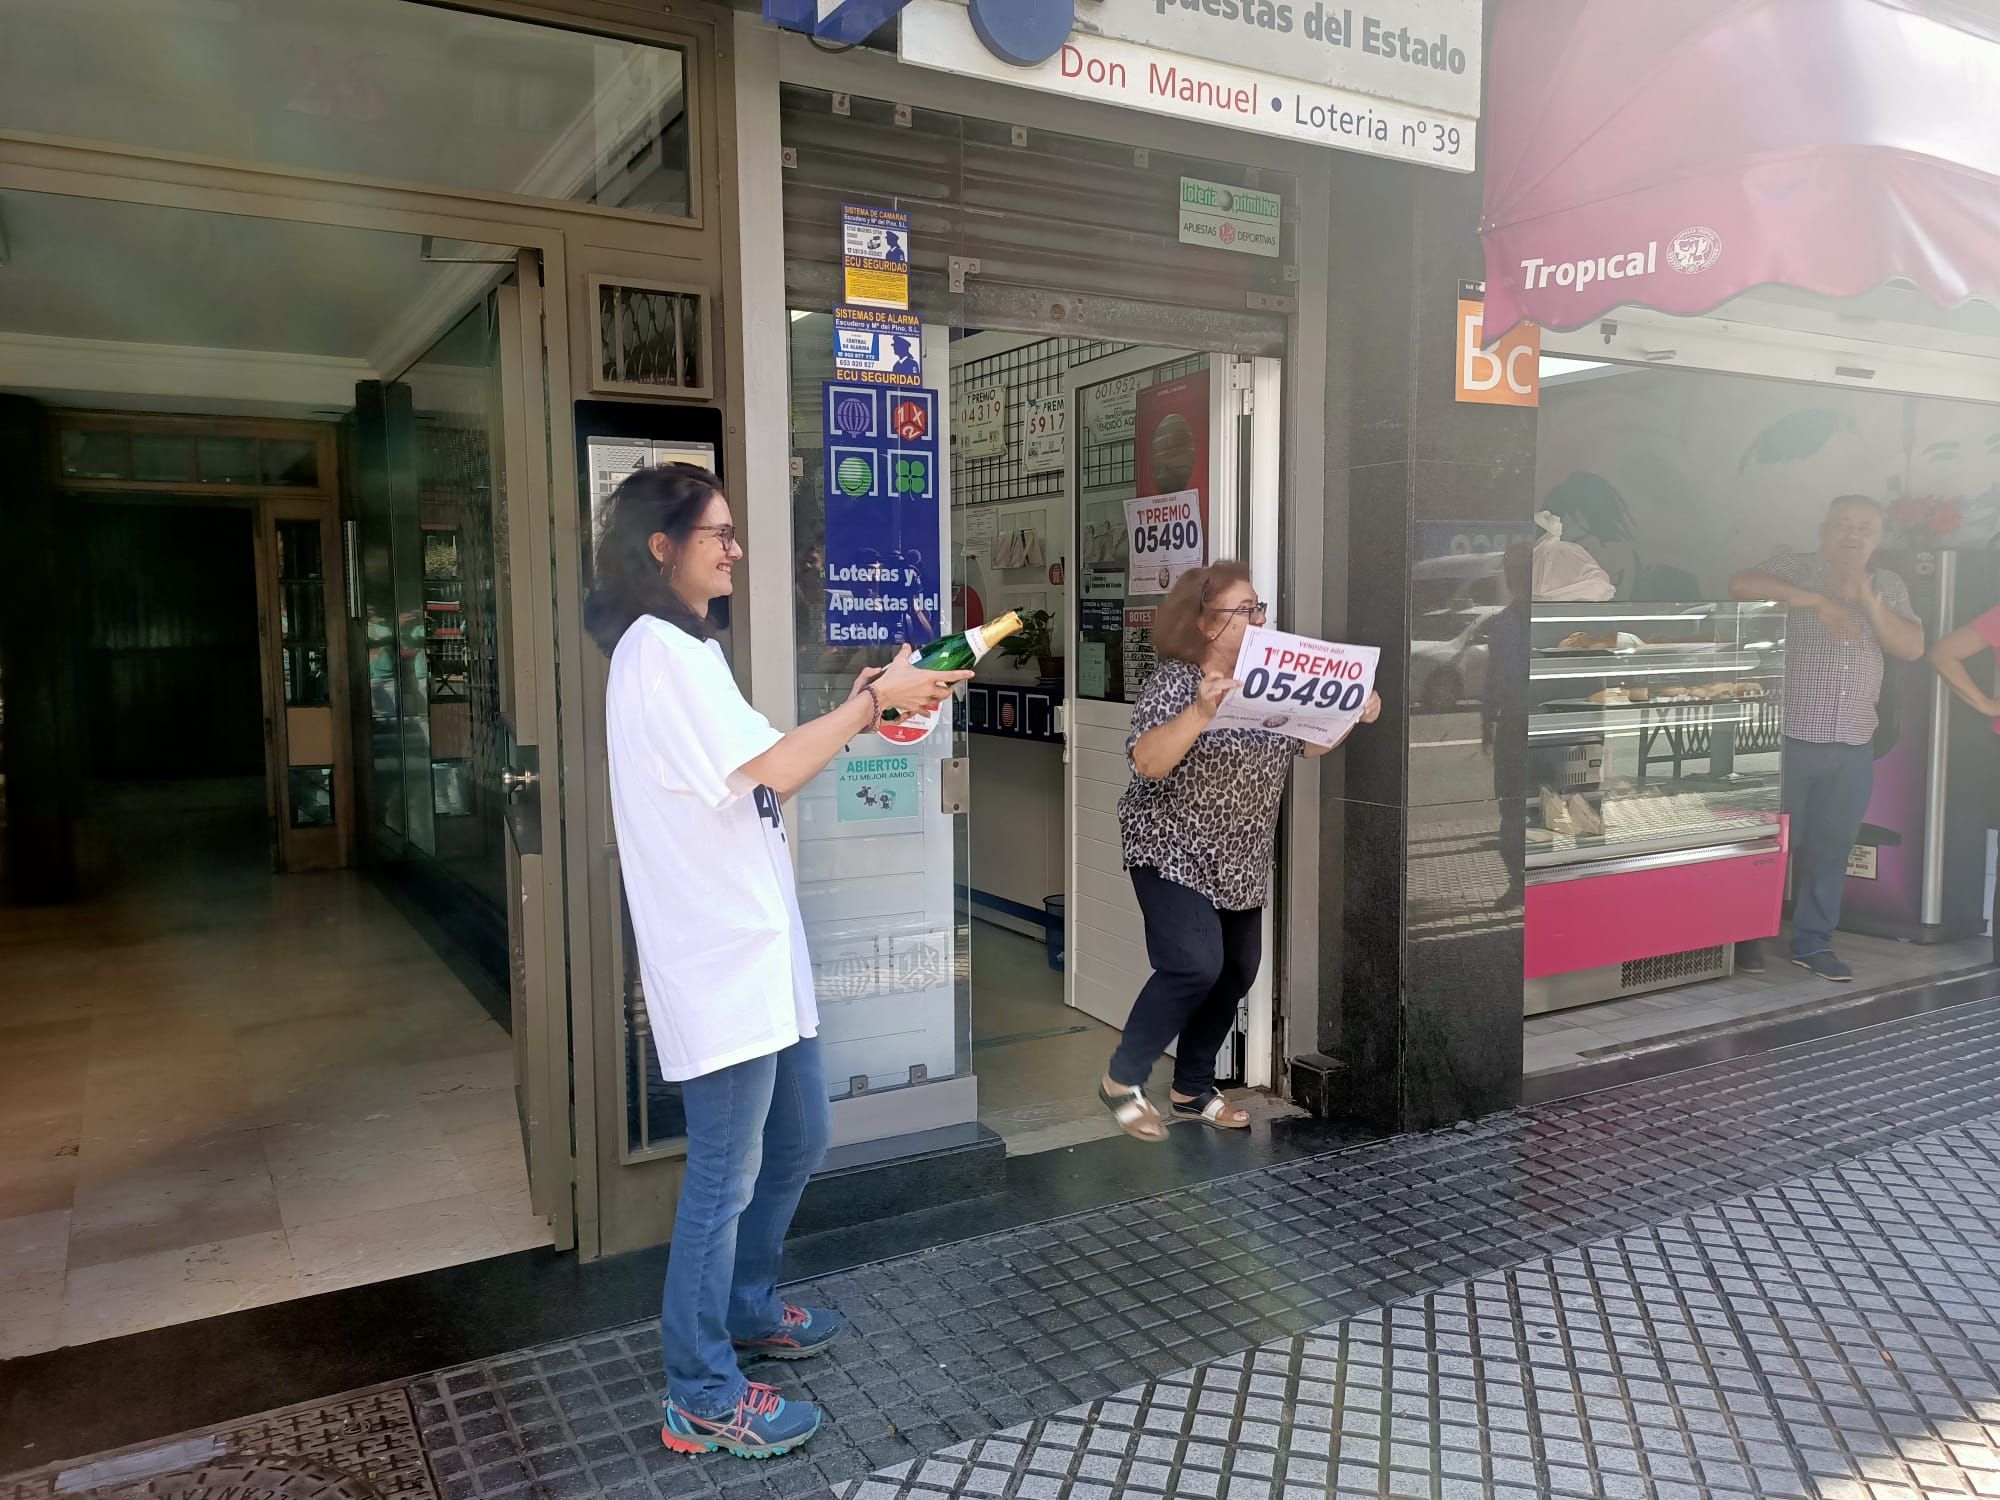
<point>1835,1336</point>
<point>1553,1362</point>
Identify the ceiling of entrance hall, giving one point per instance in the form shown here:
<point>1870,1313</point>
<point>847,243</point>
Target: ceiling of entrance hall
<point>83,268</point>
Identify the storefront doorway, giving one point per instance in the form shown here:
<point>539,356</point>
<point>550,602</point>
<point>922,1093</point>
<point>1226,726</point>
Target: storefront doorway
<point>980,882</point>
<point>275,991</point>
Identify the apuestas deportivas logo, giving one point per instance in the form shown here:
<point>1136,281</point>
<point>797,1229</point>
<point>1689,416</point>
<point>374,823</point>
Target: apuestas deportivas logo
<point>1022,32</point>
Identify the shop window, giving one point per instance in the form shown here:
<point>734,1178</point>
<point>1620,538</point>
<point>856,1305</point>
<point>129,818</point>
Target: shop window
<point>414,93</point>
<point>288,464</point>
<point>302,614</point>
<point>451,788</point>
<point>655,1115</point>
<point>163,458</point>
<point>226,460</point>
<point>650,338</point>
<point>312,796</point>
<point>88,454</point>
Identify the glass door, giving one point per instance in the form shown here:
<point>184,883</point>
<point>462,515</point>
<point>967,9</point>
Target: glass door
<point>882,836</point>
<point>1155,448</point>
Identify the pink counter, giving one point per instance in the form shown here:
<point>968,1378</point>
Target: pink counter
<point>1670,904</point>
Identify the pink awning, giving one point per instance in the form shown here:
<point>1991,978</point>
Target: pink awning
<point>1675,153</point>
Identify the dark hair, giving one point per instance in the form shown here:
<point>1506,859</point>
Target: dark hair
<point>1177,625</point>
<point>627,579</point>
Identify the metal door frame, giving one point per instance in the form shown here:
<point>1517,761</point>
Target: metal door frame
<point>548,544</point>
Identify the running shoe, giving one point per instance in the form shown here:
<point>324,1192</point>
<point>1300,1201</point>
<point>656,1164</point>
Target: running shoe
<point>763,1425</point>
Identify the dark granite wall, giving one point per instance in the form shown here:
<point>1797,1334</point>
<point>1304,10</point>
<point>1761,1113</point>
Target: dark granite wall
<point>1420,1007</point>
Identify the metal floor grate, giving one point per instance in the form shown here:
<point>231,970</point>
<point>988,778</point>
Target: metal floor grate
<point>356,1447</point>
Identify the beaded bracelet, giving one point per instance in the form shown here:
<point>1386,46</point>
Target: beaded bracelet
<point>874,706</point>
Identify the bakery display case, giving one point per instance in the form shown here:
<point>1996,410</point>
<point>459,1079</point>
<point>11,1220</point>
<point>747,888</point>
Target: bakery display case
<point>1654,837</point>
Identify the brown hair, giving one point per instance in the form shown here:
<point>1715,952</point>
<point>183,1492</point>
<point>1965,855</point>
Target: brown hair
<point>629,580</point>
<point>1179,631</point>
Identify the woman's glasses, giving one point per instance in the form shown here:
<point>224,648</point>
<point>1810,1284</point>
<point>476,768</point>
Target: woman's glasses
<point>1256,611</point>
<point>724,534</point>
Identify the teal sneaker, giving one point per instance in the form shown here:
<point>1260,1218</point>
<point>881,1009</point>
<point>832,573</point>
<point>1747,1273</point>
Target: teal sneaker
<point>800,1334</point>
<point>763,1425</point>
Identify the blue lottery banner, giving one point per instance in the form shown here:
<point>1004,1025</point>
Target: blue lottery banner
<point>884,568</point>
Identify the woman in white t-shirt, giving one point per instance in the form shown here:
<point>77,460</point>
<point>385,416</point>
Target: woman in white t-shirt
<point>697,779</point>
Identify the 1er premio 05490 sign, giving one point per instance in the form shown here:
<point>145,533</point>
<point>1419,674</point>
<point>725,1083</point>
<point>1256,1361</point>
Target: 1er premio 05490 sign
<point>1292,684</point>
<point>1165,539</point>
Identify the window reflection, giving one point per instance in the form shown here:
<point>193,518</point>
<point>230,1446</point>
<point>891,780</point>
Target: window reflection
<point>374,88</point>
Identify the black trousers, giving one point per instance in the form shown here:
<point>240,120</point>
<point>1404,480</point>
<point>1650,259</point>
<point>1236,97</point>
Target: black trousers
<point>1203,963</point>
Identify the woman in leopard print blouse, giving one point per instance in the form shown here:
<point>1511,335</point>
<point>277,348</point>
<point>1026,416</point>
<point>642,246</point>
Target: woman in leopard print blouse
<point>1198,821</point>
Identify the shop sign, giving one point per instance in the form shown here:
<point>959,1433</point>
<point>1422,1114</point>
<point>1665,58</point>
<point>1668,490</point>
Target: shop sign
<point>1165,539</point>
<point>1137,651</point>
<point>1509,373</point>
<point>1293,685</point>
<point>1113,408</point>
<point>883,522</point>
<point>875,251</point>
<point>878,347</point>
<point>1100,584</point>
<point>1044,434</point>
<point>1230,218</point>
<point>981,430</point>
<point>875,788</point>
<point>1397,78</point>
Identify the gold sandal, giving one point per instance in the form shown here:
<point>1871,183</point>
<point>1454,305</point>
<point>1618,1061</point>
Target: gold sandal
<point>1134,1112</point>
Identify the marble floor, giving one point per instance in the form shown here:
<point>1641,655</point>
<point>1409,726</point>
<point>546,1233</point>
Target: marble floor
<point>1619,1028</point>
<point>1039,1062</point>
<point>221,1088</point>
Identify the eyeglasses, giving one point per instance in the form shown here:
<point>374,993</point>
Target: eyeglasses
<point>1256,610</point>
<point>723,534</point>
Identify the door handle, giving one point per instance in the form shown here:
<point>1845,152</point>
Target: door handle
<point>512,781</point>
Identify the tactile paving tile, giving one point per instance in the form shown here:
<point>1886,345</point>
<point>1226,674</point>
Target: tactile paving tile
<point>358,1447</point>
<point>964,1341</point>
<point>1835,1337</point>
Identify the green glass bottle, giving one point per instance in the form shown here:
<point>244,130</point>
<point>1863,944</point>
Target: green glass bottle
<point>955,653</point>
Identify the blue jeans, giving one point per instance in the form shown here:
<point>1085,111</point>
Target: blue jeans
<point>1204,962</point>
<point>755,1133</point>
<point>1826,792</point>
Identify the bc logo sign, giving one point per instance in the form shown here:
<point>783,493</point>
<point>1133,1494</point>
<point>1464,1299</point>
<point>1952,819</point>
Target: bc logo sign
<point>1022,32</point>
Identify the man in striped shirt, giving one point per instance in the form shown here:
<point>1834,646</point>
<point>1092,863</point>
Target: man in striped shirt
<point>1845,614</point>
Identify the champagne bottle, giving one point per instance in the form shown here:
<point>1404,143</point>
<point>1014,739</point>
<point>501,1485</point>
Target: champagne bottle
<point>957,652</point>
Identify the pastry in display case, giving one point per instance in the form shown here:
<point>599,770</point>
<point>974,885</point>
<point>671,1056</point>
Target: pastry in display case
<point>1655,840</point>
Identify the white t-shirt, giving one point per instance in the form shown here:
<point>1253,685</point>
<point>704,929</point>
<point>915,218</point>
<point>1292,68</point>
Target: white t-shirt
<point>708,876</point>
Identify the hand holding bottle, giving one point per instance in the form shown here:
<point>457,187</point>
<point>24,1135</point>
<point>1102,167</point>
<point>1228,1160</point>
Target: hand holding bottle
<point>908,688</point>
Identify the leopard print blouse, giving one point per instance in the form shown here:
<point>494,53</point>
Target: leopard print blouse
<point>1209,824</point>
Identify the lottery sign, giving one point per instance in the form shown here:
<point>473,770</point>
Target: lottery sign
<point>1294,685</point>
<point>1166,539</point>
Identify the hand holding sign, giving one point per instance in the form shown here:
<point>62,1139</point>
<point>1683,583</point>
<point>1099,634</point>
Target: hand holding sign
<point>1312,690</point>
<point>1214,691</point>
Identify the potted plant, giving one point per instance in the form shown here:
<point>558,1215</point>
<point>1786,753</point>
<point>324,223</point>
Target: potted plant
<point>1035,639</point>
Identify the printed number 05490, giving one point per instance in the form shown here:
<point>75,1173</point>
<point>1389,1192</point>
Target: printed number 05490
<point>1168,536</point>
<point>1288,687</point>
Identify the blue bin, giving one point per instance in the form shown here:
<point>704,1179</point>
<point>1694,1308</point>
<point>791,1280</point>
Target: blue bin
<point>1053,909</point>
